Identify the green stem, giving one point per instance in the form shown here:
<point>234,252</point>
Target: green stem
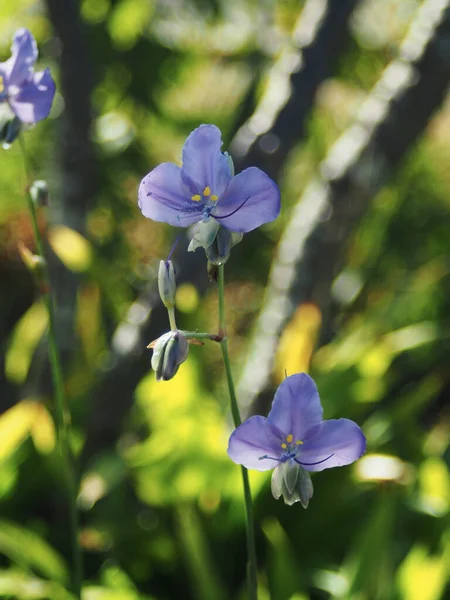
<point>61,410</point>
<point>252,570</point>
<point>202,336</point>
<point>172,320</point>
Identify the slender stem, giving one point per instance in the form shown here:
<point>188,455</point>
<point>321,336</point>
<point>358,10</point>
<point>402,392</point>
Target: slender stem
<point>61,410</point>
<point>214,337</point>
<point>172,320</point>
<point>252,570</point>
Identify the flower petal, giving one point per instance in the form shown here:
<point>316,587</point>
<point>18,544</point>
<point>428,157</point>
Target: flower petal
<point>24,54</point>
<point>204,165</point>
<point>336,442</point>
<point>34,98</point>
<point>163,197</point>
<point>296,407</point>
<point>250,200</point>
<point>256,437</point>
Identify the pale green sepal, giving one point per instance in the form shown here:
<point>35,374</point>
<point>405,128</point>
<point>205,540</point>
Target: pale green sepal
<point>290,474</point>
<point>304,487</point>
<point>236,237</point>
<point>158,354</point>
<point>219,251</point>
<point>204,234</point>
<point>277,482</point>
<point>293,483</point>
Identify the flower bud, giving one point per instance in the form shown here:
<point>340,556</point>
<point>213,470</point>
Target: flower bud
<point>36,265</point>
<point>166,283</point>
<point>39,193</point>
<point>33,262</point>
<point>293,483</point>
<point>9,130</point>
<point>170,350</point>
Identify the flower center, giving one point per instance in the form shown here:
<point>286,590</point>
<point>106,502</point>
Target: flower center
<point>290,450</point>
<point>290,446</point>
<point>206,197</point>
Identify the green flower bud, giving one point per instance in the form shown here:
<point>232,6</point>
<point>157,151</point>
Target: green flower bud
<point>170,350</point>
<point>166,283</point>
<point>293,483</point>
<point>39,193</point>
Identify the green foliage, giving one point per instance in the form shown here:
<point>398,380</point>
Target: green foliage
<point>27,549</point>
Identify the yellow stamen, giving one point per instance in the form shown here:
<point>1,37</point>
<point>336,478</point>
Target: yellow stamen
<point>289,438</point>
<point>214,197</point>
<point>284,446</point>
<point>196,198</point>
<point>2,84</point>
<point>298,443</point>
<point>207,191</point>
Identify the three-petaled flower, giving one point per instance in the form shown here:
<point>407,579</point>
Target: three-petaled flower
<point>205,190</point>
<point>294,439</point>
<point>29,95</point>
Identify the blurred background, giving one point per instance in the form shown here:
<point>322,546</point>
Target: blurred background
<point>343,103</point>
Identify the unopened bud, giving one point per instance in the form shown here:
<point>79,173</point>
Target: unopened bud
<point>39,193</point>
<point>170,350</point>
<point>33,262</point>
<point>9,130</point>
<point>166,283</point>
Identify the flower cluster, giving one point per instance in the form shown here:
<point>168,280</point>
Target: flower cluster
<point>294,439</point>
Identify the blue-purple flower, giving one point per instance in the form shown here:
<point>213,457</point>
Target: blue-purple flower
<point>29,94</point>
<point>294,439</point>
<point>204,190</point>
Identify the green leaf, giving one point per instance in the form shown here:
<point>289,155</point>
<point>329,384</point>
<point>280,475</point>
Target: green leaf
<point>29,550</point>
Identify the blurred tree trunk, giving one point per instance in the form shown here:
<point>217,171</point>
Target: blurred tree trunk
<point>313,246</point>
<point>279,121</point>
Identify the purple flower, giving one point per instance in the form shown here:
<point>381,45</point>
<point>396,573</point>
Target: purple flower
<point>294,439</point>
<point>29,94</point>
<point>205,190</point>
